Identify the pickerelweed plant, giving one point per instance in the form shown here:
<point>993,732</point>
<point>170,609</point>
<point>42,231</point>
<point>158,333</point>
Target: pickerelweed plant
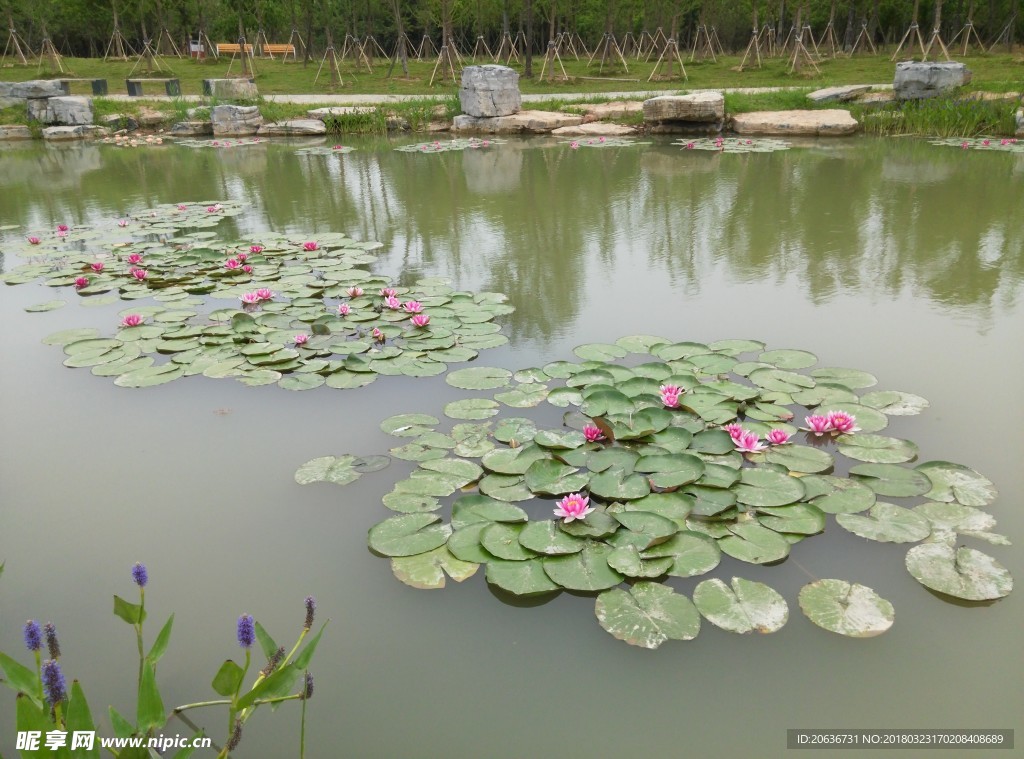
<point>46,704</point>
<point>275,287</point>
<point>664,464</point>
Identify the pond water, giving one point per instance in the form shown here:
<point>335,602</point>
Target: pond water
<point>896,257</point>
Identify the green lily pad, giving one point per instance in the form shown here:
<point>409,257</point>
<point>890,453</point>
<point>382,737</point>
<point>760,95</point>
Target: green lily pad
<point>505,487</point>
<point>876,449</point>
<point>408,425</point>
<point>523,396</point>
<point>471,408</point>
<point>513,460</point>
<point>895,402</point>
<point>546,538</point>
<point>891,480</point>
<point>597,524</point>
<point>956,518</point>
<point>745,607</point>
<point>586,570</point>
<point>846,608</point>
<point>959,572</point>
<point>751,542</point>
<point>464,543</point>
<point>559,439</point>
<point>408,534</point>
<point>479,378</point>
<point>550,477</point>
<point>627,561</point>
<point>887,523</point>
<point>461,471</point>
<point>838,495</point>
<point>788,358</point>
<point>614,484</point>
<point>502,540</point>
<point>798,518</point>
<point>647,615</point>
<point>50,305</point>
<point>799,458</point>
<point>692,554</point>
<point>851,378</point>
<point>709,501</point>
<point>521,578</point>
<point>428,570</point>
<point>336,469</point>
<point>954,482</point>
<point>762,487</point>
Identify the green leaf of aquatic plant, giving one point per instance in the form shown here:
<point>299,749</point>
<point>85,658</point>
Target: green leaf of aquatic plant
<point>131,613</point>
<point>959,572</point>
<point>895,402</point>
<point>891,480</point>
<point>336,469</point>
<point>408,534</point>
<point>79,719</point>
<point>559,439</point>
<point>627,561</point>
<point>754,543</point>
<point>799,458</point>
<point>846,608</point>
<point>596,524</point>
<point>799,518</point>
<point>546,538</point>
<point>692,554</point>
<point>20,678</point>
<point>838,495</point>
<point>550,477</point>
<point>501,539</point>
<point>521,578</point>
<point>586,570</point>
<point>150,713</point>
<point>505,487</point>
<point>854,379</point>
<point>877,449</point>
<point>471,408</point>
<point>163,639</point>
<point>471,509</point>
<point>428,570</point>
<point>614,484</point>
<point>228,679</point>
<point>744,607</point>
<point>887,523</point>
<point>50,305</point>
<point>761,487</point>
<point>788,358</point>
<point>954,482</point>
<point>647,615</point>
<point>600,352</point>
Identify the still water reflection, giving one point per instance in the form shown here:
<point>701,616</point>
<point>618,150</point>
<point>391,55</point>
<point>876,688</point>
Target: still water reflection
<point>897,257</point>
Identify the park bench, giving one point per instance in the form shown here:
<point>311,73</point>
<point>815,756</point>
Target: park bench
<point>232,48</point>
<point>99,86</point>
<point>172,86</point>
<point>273,49</point>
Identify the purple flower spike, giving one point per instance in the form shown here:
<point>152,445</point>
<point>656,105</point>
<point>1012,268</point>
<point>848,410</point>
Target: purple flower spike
<point>140,575</point>
<point>52,645</point>
<point>54,685</point>
<point>33,636</point>
<point>307,688</point>
<point>246,631</point>
<point>310,611</point>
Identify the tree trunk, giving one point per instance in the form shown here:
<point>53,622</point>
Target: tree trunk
<point>528,64</point>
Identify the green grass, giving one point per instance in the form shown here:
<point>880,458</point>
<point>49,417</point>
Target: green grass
<point>952,116</point>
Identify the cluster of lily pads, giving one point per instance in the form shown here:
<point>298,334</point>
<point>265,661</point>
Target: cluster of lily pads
<point>652,476</point>
<point>298,312</point>
<point>734,144</point>
<point>603,142</point>
<point>325,150</point>
<point>444,146</point>
<point>1004,144</point>
<point>221,143</point>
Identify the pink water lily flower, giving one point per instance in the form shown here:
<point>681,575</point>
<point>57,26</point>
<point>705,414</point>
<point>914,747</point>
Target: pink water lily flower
<point>412,306</point>
<point>213,209</point>
<point>62,233</point>
<point>601,139</point>
<point>592,433</point>
<point>81,282</point>
<point>778,436</point>
<point>388,292</point>
<point>139,274</point>
<point>311,245</point>
<point>354,291</point>
<point>33,240</point>
<point>690,146</point>
<point>377,335</point>
<point>965,145</point>
<point>337,147</point>
<point>301,339</point>
<point>843,422</point>
<point>62,227</point>
<point>96,266</point>
<point>242,256</point>
<point>485,143</point>
<point>181,206</point>
<point>344,309</point>
<point>255,248</point>
<point>393,303</point>
<point>231,263</point>
<point>135,258</point>
<point>734,430</point>
<point>818,424</point>
<point>986,143</point>
<point>122,222</point>
<point>670,395</point>
<point>132,320</point>
<point>420,320</point>
<point>247,269</point>
<point>265,293</point>
<point>748,442</point>
<point>250,298</point>
<point>573,506</point>
<point>574,145</point>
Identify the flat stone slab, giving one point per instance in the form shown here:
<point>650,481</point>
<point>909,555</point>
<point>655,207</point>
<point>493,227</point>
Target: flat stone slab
<point>838,94</point>
<point>616,110</point>
<point>294,127</point>
<point>698,106</point>
<point>830,123</point>
<point>235,120</point>
<point>877,98</point>
<point>1020,123</point>
<point>15,132</point>
<point>120,121</point>
<point>339,110</point>
<point>916,80</point>
<point>34,88</point>
<point>594,129</point>
<point>149,117</point>
<point>80,132</point>
<point>192,128</point>
<point>231,89</point>
<point>66,110</point>
<point>533,122</point>
<point>489,91</point>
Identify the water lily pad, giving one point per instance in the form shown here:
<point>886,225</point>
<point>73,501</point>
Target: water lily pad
<point>887,523</point>
<point>895,402</point>
<point>788,358</point>
<point>951,482</point>
<point>597,524</point>
<point>471,408</point>
<point>479,378</point>
<point>846,608</point>
<point>505,487</point>
<point>50,305</point>
<point>877,449</point>
<point>616,485</point>
<point>546,538</point>
<point>692,554</point>
<point>523,396</point>
<point>838,495</point>
<point>891,480</point>
<point>428,570</point>
<point>408,503</point>
<point>640,343</point>
<point>149,376</point>
<point>851,378</point>
<point>559,439</point>
<point>751,542</point>
<point>868,419</point>
<point>502,540</point>
<point>799,458</point>
<point>521,578</point>
<point>798,518</point>
<point>337,469</point>
<point>647,615</point>
<point>959,572</point>
<point>628,561</point>
<point>550,477</point>
<point>950,519</point>
<point>744,607</point>
<point>408,534</point>
<point>464,543</point>
<point>599,352</point>
<point>586,570</point>
<point>762,487</point>
<point>513,460</point>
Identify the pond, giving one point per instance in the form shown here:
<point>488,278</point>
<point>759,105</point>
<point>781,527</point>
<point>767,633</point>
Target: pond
<point>897,257</point>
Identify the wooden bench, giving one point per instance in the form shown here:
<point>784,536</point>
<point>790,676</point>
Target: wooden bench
<point>99,86</point>
<point>232,48</point>
<point>172,86</point>
<point>272,49</point>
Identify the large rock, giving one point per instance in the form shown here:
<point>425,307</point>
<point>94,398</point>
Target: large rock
<point>594,129</point>
<point>830,123</point>
<point>192,129</point>
<point>15,132</point>
<point>81,132</point>
<point>120,121</point>
<point>838,94</point>
<point>6,101</point>
<point>700,106</point>
<point>295,127</point>
<point>535,122</point>
<point>1020,122</point>
<point>35,88</point>
<point>68,110</point>
<point>489,91</point>
<point>917,80</point>
<point>230,89</point>
<point>615,110</point>
<point>235,120</point>
<point>150,117</point>
<point>340,110</point>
